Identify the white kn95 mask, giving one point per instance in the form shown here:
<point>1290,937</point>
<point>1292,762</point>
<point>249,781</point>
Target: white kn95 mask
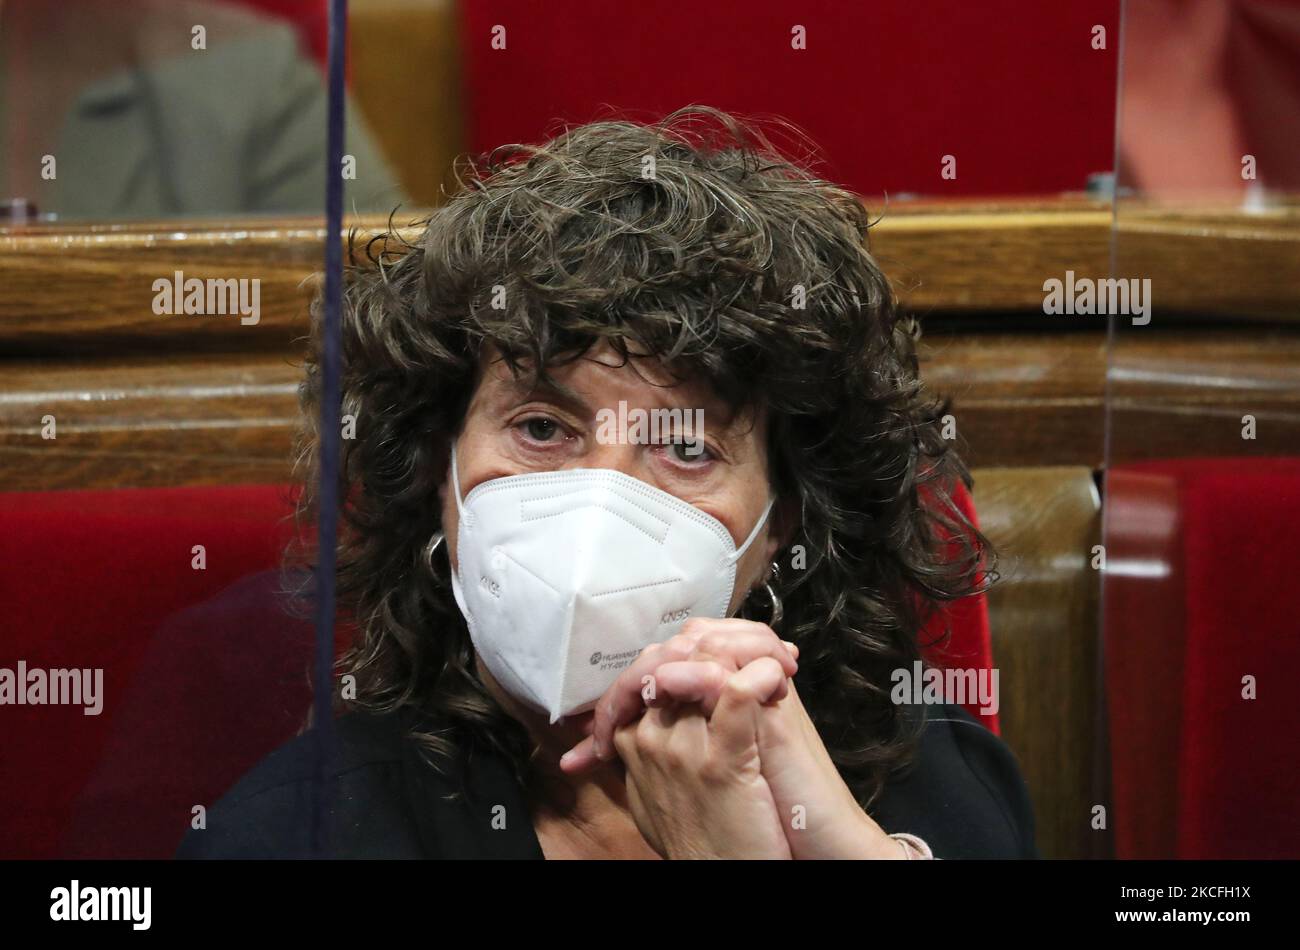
<point>564,577</point>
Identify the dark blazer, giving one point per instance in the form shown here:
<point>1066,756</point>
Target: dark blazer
<point>965,797</point>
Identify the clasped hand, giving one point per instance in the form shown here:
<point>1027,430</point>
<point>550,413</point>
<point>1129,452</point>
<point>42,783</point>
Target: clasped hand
<point>722,759</point>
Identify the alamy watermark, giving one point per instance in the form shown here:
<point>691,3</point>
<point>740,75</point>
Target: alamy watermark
<point>922,685</point>
<point>214,295</point>
<point>651,427</point>
<point>56,687</point>
<point>77,902</point>
<point>1083,295</point>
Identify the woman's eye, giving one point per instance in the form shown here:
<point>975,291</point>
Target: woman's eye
<point>690,450</point>
<point>540,428</point>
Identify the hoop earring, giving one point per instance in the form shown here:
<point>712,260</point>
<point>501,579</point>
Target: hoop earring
<point>431,548</point>
<point>778,610</point>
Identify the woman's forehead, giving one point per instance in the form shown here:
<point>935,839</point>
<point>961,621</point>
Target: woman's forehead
<point>601,369</point>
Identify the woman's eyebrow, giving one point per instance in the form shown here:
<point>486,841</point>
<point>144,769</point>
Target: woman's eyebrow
<point>723,422</point>
<point>550,391</point>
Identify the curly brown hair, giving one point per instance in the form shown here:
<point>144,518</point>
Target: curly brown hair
<point>729,263</point>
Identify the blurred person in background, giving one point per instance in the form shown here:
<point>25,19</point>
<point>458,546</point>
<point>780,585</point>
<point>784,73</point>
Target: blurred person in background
<point>141,124</point>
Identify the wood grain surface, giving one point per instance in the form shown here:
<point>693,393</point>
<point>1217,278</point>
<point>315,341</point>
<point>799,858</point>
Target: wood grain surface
<point>1043,522</point>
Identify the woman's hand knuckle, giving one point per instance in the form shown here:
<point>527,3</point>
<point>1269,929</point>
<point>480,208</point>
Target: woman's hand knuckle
<point>674,757</point>
<point>644,738</point>
<point>680,645</point>
<point>712,642</point>
<point>625,742</point>
<point>714,773</point>
<point>735,691</point>
<point>694,626</point>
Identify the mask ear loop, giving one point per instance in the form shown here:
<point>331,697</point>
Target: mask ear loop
<point>455,484</point>
<point>777,611</point>
<point>740,551</point>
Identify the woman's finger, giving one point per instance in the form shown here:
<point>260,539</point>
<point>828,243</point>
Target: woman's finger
<point>675,682</point>
<point>734,722</point>
<point>698,681</point>
<point>734,641</point>
<point>622,702</point>
<point>715,635</point>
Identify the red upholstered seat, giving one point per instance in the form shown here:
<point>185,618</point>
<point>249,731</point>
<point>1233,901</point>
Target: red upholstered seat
<point>1200,561</point>
<point>204,672</point>
<point>104,579</point>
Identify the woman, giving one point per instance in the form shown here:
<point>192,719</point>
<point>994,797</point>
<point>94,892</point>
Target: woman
<point>645,505</point>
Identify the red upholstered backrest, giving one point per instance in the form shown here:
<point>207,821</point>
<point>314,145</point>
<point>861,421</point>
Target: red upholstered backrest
<point>968,643</point>
<point>204,672</point>
<point>885,90</point>
<point>1200,559</point>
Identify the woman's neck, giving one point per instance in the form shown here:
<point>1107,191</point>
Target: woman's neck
<point>585,816</point>
<point>575,816</point>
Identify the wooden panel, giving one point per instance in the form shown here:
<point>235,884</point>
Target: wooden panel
<point>148,421</point>
<point>1038,399</point>
<point>961,256</point>
<point>1186,393</point>
<point>996,255</point>
<point>78,290</point>
<point>1022,398</point>
<point>67,288</point>
<point>973,255</point>
<point>413,50</point>
<point>1043,614</point>
<point>1225,262</point>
